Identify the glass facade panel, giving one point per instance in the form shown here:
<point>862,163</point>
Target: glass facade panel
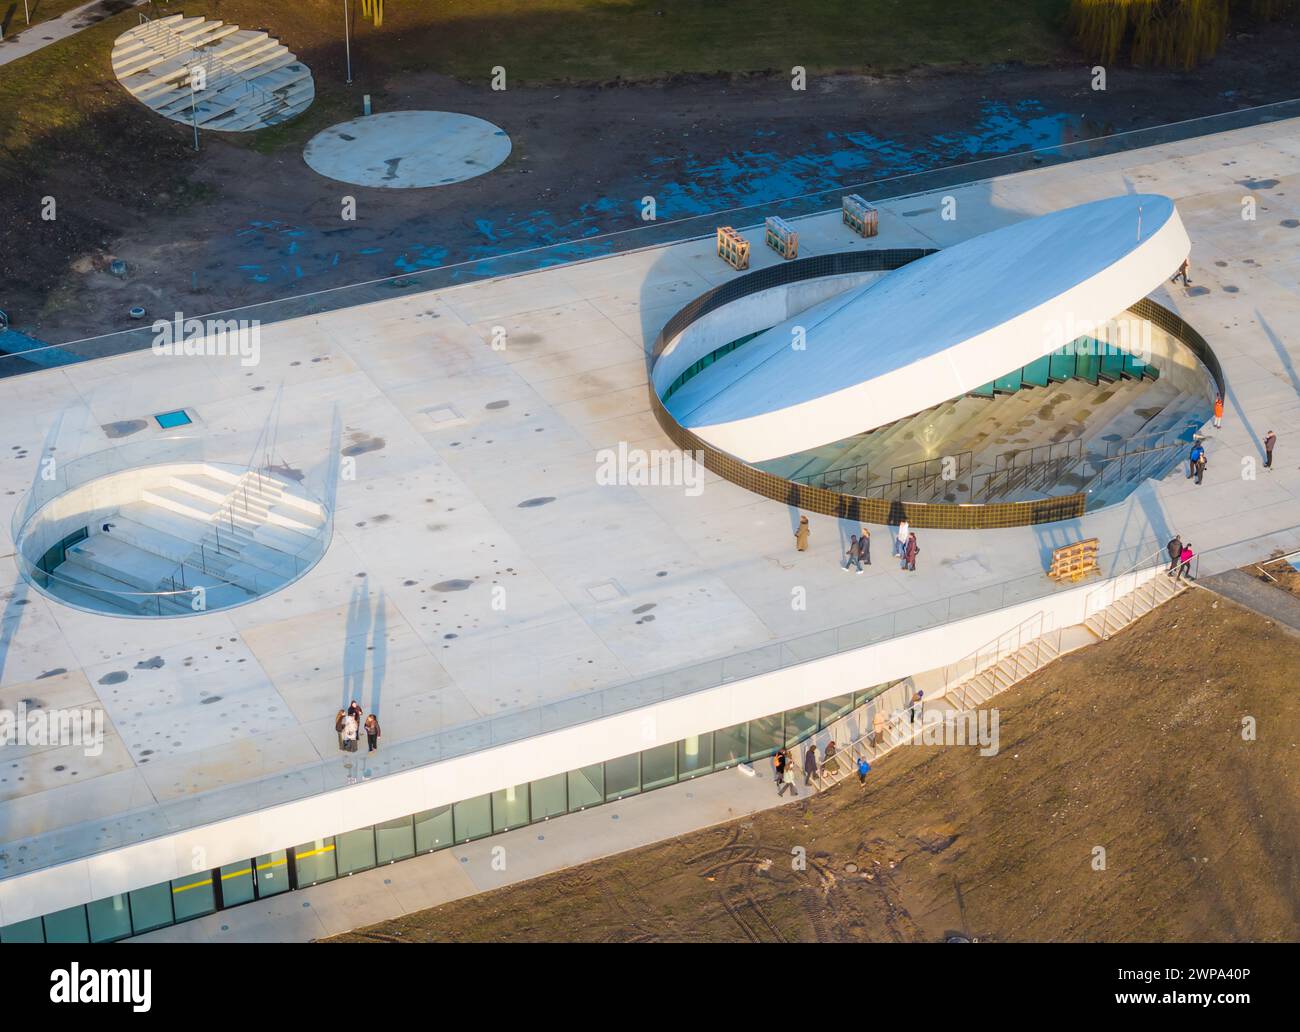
<point>864,697</point>
<point>1037,371</point>
<point>695,755</point>
<point>433,829</point>
<point>67,926</point>
<point>659,766</point>
<point>510,808</point>
<point>586,786</point>
<point>832,709</point>
<point>731,746</point>
<point>800,724</point>
<point>765,735</point>
<point>109,919</point>
<point>314,862</point>
<point>272,873</point>
<point>1062,363</point>
<point>473,818</point>
<point>394,840</point>
<point>23,931</point>
<point>193,896</point>
<point>355,851</point>
<point>1087,363</point>
<point>151,908</point>
<point>237,883</point>
<point>1008,384</point>
<point>623,776</point>
<point>550,796</point>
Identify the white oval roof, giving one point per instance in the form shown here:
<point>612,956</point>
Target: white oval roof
<point>935,329</point>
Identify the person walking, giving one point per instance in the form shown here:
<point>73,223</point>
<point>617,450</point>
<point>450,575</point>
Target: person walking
<point>879,726</point>
<point>350,733</point>
<point>339,722</point>
<point>1175,550</point>
<point>910,553</point>
<point>1182,271</point>
<point>810,764</point>
<point>801,535</point>
<point>1270,439</point>
<point>779,761</point>
<point>851,557</point>
<point>829,753</point>
<point>1218,411</point>
<point>1185,562</point>
<point>372,732</point>
<point>1197,462</point>
<point>914,707</point>
<point>787,781</point>
<point>864,545</point>
<point>900,541</point>
<point>864,768</point>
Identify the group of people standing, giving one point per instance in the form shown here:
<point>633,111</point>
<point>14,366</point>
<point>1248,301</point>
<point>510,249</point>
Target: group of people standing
<point>349,724</point>
<point>858,554</point>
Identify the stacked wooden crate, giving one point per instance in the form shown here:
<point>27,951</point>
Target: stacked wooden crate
<point>733,248</point>
<point>860,216</point>
<point>781,237</point>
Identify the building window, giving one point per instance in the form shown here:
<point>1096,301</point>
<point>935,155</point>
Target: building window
<point>395,840</point>
<point>109,919</point>
<point>623,776</point>
<point>510,808</point>
<point>433,829</point>
<point>659,766</point>
<point>313,862</point>
<point>586,787</point>
<point>473,818</point>
<point>695,755</point>
<point>193,896</point>
<point>355,851</point>
<point>549,796</point>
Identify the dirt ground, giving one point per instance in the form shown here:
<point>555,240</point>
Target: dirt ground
<point>1282,575</point>
<point>1134,745</point>
<point>245,220</point>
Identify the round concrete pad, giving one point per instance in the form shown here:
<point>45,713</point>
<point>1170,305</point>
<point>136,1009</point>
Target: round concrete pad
<point>408,149</point>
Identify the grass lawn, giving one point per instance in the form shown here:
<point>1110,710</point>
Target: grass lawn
<point>551,41</point>
<point>14,19</point>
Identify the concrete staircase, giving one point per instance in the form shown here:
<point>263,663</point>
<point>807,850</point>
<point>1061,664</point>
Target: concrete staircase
<point>252,80</point>
<point>989,429</point>
<point>235,535</point>
<point>1136,603</point>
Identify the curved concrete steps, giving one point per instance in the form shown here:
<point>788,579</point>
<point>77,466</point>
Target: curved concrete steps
<point>252,80</point>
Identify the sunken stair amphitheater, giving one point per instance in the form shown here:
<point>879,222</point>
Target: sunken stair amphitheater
<point>173,540</point>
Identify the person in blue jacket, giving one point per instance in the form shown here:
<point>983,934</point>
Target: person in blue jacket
<point>1196,461</point>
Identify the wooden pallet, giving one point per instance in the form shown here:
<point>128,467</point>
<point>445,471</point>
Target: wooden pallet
<point>733,248</point>
<point>781,237</point>
<point>1074,562</point>
<point>859,216</point>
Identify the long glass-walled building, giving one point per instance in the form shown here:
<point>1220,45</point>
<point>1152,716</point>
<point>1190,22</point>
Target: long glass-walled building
<point>361,849</point>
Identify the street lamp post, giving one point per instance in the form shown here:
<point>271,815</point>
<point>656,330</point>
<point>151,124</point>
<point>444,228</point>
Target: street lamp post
<point>194,115</point>
<point>347,40</point>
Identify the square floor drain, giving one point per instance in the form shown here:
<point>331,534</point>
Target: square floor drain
<point>606,591</point>
<point>439,417</point>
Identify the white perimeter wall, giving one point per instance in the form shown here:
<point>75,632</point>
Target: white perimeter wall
<point>184,853</point>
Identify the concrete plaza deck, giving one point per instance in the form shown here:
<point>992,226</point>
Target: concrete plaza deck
<point>475,468</point>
